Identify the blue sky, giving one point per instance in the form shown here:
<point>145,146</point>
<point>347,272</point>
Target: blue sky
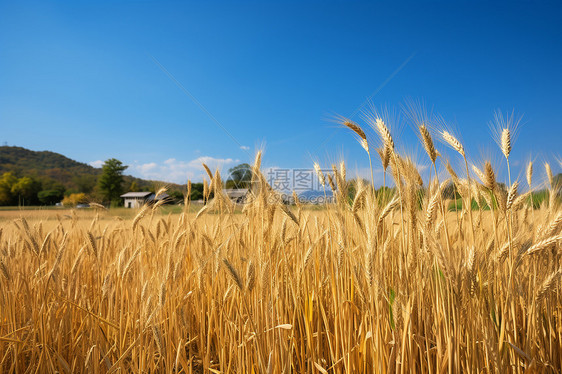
<point>87,79</point>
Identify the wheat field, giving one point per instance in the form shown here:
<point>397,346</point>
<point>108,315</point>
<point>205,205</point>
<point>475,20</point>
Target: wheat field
<point>377,282</point>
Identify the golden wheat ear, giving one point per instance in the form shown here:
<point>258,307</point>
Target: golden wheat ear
<point>428,143</point>
<point>360,133</point>
<point>549,176</point>
<point>529,174</point>
<point>453,142</point>
<point>384,133</point>
<point>506,142</point>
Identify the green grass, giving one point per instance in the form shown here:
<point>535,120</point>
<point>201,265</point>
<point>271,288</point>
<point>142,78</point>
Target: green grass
<point>538,198</point>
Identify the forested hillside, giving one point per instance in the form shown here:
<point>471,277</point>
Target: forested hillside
<point>26,174</point>
<point>48,165</point>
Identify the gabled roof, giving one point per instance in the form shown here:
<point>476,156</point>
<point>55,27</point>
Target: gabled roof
<point>136,194</point>
<point>235,192</point>
<point>162,196</point>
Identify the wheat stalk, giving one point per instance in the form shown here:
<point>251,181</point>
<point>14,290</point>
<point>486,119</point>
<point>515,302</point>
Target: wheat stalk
<point>543,244</point>
<point>384,134</point>
<point>357,129</point>
<point>506,142</point>
<point>428,143</point>
<point>549,174</point>
<point>453,142</point>
<point>233,274</point>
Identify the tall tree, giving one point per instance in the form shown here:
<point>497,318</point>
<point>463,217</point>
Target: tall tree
<point>240,176</point>
<point>110,182</point>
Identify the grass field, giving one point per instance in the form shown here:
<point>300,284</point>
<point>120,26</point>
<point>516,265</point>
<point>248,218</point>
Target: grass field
<point>373,284</point>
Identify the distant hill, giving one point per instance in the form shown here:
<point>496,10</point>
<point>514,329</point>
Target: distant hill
<point>315,196</point>
<point>72,174</point>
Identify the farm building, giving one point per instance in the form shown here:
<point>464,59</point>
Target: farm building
<point>236,195</point>
<point>137,199</point>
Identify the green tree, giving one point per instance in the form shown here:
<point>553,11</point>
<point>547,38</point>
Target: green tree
<point>240,176</point>
<point>110,182</point>
<point>196,191</point>
<point>7,181</point>
<point>52,191</point>
<point>26,190</point>
<point>50,197</point>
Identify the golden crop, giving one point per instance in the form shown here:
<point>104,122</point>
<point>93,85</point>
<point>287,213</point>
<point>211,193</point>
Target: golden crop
<point>375,282</point>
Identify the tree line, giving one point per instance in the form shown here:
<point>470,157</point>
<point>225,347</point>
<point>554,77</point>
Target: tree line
<point>106,188</point>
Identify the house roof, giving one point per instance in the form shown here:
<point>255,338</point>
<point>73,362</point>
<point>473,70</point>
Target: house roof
<point>162,196</point>
<point>136,194</point>
<point>236,192</point>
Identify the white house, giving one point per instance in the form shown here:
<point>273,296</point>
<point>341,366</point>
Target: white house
<point>135,199</point>
<point>236,195</point>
